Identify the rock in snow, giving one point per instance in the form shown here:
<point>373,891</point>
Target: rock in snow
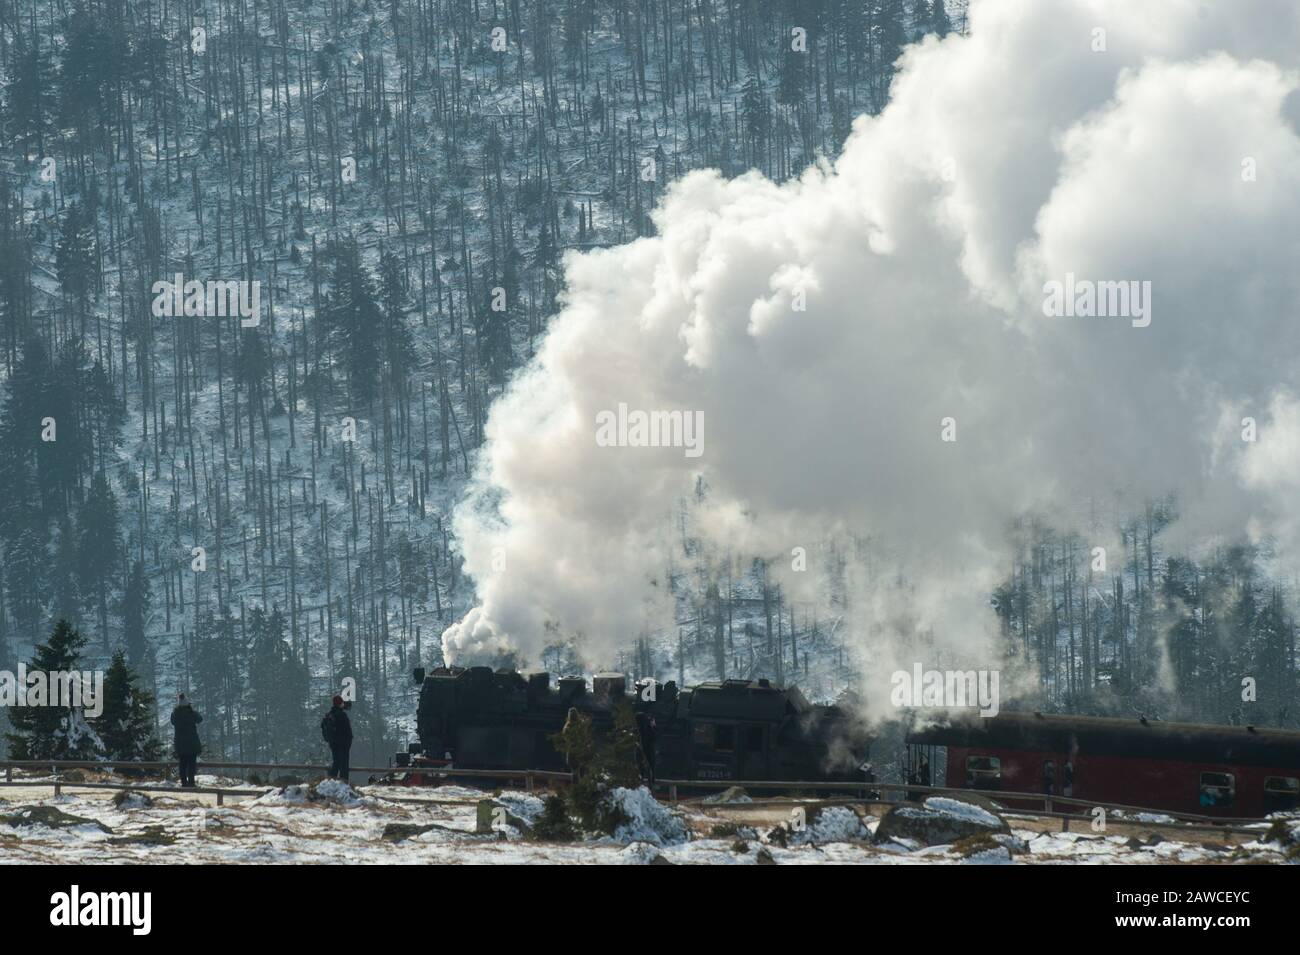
<point>832,824</point>
<point>647,820</point>
<point>938,821</point>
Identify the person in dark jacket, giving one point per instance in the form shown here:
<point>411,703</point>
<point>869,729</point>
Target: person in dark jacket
<point>186,723</point>
<point>646,745</point>
<point>337,730</point>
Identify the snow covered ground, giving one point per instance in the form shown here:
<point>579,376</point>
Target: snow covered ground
<point>332,823</point>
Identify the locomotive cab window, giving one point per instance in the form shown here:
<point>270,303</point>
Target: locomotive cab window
<point>724,738</point>
<point>1217,790</point>
<point>983,772</point>
<point>1281,793</point>
<point>704,734</point>
<point>753,739</point>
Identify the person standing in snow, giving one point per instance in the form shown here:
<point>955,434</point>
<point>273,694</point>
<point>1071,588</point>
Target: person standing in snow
<point>337,730</point>
<point>186,723</point>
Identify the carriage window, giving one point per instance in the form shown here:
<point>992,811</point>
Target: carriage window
<point>754,739</point>
<point>1281,793</point>
<point>983,772</point>
<point>1217,790</point>
<point>724,739</point>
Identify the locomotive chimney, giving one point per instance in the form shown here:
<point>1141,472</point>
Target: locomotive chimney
<point>538,682</point>
<point>608,687</point>
<point>572,686</point>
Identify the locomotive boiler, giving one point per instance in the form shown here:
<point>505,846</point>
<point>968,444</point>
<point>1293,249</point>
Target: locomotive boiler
<point>746,730</point>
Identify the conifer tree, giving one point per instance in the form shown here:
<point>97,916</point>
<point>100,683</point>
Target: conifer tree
<point>74,257</point>
<point>26,581</point>
<point>135,611</point>
<point>65,575</point>
<point>29,97</point>
<point>399,352</point>
<point>352,318</point>
<point>126,724</point>
<point>27,467</point>
<point>100,544</point>
<point>617,758</point>
<point>940,23</point>
<point>15,289</point>
<point>54,732</point>
<point>216,659</point>
<point>492,332</point>
<point>277,685</point>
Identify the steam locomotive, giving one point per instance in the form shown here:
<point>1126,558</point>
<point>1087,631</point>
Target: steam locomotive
<point>751,730</point>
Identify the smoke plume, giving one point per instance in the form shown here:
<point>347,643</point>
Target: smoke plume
<point>826,328</point>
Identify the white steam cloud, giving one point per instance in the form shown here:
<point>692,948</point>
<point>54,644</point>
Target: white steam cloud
<point>1005,160</point>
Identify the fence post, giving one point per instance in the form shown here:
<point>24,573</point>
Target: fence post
<point>220,798</point>
<point>529,780</point>
<point>672,793</point>
<point>1065,823</point>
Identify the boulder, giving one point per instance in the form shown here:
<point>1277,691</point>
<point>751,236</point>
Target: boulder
<point>986,844</point>
<point>490,812</point>
<point>732,794</point>
<point>50,817</point>
<point>332,791</point>
<point>823,824</point>
<point>130,799</point>
<point>938,821</point>
<point>397,831</point>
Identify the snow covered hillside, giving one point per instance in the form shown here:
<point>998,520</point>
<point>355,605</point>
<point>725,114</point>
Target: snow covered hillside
<point>255,511</point>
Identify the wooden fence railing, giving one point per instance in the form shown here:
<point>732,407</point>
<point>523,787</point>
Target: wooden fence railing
<point>1046,800</point>
<point>857,791</point>
<point>59,782</point>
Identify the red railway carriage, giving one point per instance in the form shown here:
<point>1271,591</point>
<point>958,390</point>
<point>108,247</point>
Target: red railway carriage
<point>1227,771</point>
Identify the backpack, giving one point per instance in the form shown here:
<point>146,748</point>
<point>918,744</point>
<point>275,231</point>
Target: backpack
<point>327,727</point>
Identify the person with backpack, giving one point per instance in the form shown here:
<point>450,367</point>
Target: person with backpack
<point>188,747</point>
<point>337,730</point>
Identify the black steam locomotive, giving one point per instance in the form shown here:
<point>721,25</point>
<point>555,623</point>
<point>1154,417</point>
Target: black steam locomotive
<point>749,730</point>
